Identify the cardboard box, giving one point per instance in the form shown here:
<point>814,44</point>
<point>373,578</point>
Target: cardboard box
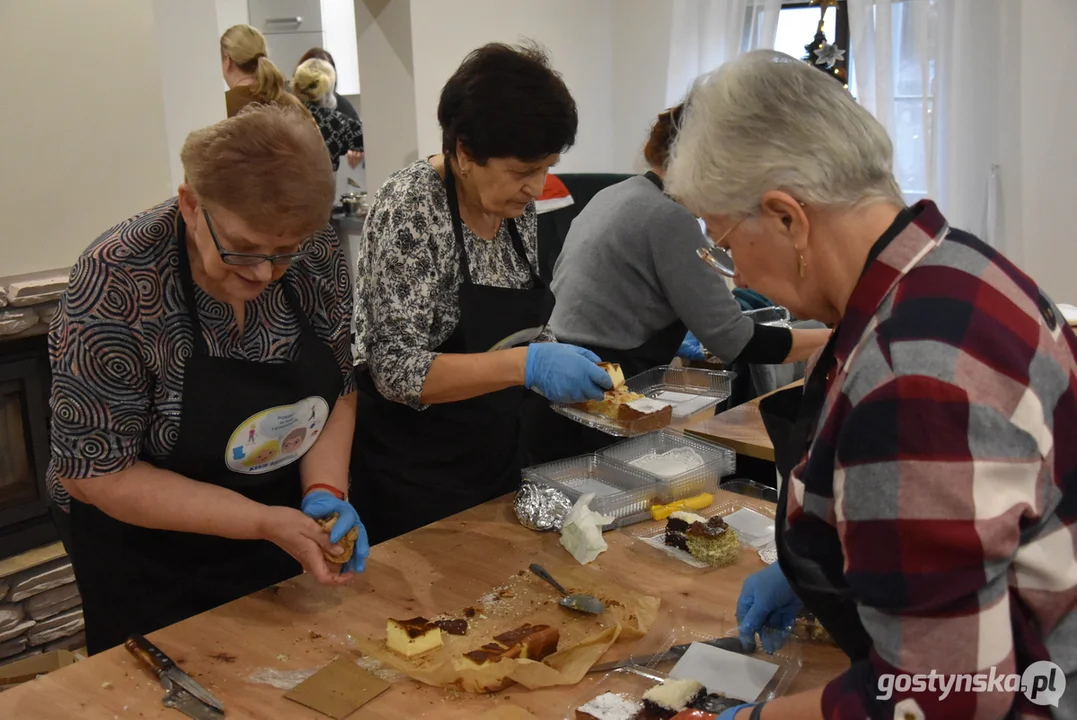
<point>26,670</point>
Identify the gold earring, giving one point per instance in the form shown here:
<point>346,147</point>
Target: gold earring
<point>801,265</point>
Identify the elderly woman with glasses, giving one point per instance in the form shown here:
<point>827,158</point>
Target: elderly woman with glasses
<point>929,511</point>
<point>202,398</point>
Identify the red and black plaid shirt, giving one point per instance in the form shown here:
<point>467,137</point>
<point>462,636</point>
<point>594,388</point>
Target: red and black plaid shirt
<point>945,463</point>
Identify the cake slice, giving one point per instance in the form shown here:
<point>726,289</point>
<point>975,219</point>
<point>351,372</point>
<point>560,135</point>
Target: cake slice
<point>347,542</point>
<point>535,641</point>
<point>664,701</point>
<point>616,374</point>
<point>710,541</point>
<point>413,637</point>
<point>609,706</point>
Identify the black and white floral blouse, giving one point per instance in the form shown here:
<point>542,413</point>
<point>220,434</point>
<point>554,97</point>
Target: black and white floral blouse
<point>340,132</point>
<point>408,278</point>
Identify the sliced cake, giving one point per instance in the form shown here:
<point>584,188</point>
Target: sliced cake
<point>710,541</point>
<point>664,701</point>
<point>528,642</point>
<point>413,637</point>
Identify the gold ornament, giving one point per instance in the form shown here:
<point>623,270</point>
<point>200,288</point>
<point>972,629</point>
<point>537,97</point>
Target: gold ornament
<point>824,4</point>
<point>801,265</point>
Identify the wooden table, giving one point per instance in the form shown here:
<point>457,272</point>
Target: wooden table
<point>442,567</point>
<point>740,428</point>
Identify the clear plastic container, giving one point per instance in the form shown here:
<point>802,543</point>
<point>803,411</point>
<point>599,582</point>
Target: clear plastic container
<point>750,488</point>
<point>705,463</point>
<point>688,390</point>
<point>653,533</point>
<point>620,490</point>
<point>775,316</point>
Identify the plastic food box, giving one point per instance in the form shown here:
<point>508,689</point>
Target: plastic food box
<point>661,454</point>
<point>621,491</point>
<point>688,390</point>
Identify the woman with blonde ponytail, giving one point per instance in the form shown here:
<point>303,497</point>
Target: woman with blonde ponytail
<point>250,75</point>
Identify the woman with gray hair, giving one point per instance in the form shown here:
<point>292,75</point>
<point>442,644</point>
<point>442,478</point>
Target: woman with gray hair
<point>928,509</point>
<point>313,83</point>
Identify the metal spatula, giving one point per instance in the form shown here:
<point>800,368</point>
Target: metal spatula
<point>582,603</point>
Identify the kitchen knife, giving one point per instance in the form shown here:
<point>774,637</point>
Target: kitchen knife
<point>732,644</point>
<point>183,701</point>
<point>164,667</point>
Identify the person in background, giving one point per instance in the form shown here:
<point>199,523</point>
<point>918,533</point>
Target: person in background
<point>202,394</point>
<point>248,72</point>
<point>313,83</point>
<point>342,104</point>
<point>449,304</point>
<point>629,284</point>
<point>928,514</point>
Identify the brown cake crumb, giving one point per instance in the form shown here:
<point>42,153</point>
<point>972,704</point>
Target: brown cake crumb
<point>453,627</point>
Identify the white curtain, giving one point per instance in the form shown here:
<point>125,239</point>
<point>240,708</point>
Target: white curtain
<point>936,74</point>
<point>706,33</point>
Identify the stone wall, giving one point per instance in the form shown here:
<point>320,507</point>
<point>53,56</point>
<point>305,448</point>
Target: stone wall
<point>29,302</point>
<point>40,611</point>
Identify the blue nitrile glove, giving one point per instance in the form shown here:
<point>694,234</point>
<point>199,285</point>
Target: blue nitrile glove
<point>565,373</point>
<point>731,713</point>
<point>319,504</point>
<point>691,348</point>
<point>767,605</point>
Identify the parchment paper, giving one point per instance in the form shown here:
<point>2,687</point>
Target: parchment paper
<point>527,599</point>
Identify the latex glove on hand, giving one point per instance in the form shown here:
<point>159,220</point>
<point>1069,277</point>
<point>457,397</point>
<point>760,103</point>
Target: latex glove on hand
<point>319,504</point>
<point>767,605</point>
<point>565,373</point>
<point>731,713</point>
<point>691,348</point>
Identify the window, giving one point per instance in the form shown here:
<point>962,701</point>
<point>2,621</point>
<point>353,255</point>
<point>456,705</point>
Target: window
<point>913,30</point>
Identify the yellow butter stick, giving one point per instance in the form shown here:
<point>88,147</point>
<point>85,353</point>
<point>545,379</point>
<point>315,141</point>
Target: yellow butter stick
<point>696,502</point>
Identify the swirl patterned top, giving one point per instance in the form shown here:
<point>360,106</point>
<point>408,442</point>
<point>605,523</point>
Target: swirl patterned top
<point>407,278</point>
<point>118,344</point>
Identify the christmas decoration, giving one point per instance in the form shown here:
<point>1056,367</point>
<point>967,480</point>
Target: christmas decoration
<point>820,53</point>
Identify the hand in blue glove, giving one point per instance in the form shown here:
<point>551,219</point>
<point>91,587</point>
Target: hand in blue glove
<point>565,373</point>
<point>319,504</point>
<point>731,713</point>
<point>691,348</point>
<point>767,605</point>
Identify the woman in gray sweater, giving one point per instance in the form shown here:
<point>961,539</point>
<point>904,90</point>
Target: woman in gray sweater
<point>629,285</point>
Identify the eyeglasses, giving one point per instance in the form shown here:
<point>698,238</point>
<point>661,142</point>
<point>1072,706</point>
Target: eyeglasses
<point>248,259</point>
<point>716,257</point>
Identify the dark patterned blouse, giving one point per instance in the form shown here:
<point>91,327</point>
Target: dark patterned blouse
<point>119,342</point>
<point>340,132</point>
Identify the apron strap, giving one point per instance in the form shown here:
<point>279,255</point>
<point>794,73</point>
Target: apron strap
<point>187,281</point>
<point>458,231</point>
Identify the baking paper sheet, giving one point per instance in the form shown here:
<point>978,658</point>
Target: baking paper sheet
<point>527,599</point>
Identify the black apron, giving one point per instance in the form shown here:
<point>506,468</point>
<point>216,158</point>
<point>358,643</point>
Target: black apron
<point>136,580</point>
<point>810,554</point>
<point>410,467</point>
<point>548,436</point>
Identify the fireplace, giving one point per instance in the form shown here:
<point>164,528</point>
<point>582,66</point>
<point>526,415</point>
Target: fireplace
<point>25,520</point>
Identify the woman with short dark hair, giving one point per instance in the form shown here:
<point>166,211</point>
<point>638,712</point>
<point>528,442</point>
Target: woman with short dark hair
<point>449,303</point>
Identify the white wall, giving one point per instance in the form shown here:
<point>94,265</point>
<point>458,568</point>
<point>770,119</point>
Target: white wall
<point>383,33</point>
<point>86,145</point>
<point>229,13</point>
<point>1048,144</point>
<point>641,37</point>
<point>188,44</point>
<point>578,36</point>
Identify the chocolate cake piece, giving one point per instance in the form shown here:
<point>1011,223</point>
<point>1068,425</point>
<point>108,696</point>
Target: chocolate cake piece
<point>664,701</point>
<point>535,641</point>
<point>453,627</point>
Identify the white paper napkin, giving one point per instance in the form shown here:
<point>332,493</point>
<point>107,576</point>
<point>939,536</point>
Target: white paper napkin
<point>729,673</point>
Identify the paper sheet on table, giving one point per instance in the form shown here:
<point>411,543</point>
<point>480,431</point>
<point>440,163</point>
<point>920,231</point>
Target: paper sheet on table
<point>527,599</point>
<point>752,528</point>
<point>684,404</point>
<point>729,673</point>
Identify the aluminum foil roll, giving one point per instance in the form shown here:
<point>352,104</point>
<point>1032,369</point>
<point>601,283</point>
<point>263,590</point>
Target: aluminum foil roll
<point>540,507</point>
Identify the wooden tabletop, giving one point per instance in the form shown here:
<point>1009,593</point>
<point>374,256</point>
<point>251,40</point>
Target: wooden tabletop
<point>740,428</point>
<point>439,568</point>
